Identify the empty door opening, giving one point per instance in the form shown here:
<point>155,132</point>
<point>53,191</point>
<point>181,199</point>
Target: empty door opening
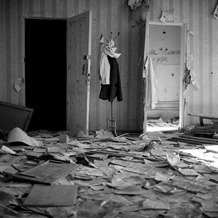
<point>45,72</point>
<point>166,57</point>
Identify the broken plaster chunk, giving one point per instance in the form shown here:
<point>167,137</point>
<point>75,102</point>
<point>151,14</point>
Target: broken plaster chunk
<point>17,135</point>
<point>163,188</point>
<point>173,159</point>
<point>163,177</point>
<point>7,150</point>
<point>211,148</point>
<point>188,172</point>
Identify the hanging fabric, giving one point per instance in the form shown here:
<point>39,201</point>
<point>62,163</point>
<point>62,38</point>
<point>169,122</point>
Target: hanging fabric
<point>104,65</point>
<point>113,90</point>
<point>110,49</point>
<point>189,78</point>
<point>152,94</point>
<point>110,75</point>
<point>104,69</point>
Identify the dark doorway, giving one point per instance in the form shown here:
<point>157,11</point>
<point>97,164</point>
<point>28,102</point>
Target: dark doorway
<point>45,73</point>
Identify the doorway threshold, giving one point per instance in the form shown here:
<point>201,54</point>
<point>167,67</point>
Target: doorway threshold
<point>161,126</point>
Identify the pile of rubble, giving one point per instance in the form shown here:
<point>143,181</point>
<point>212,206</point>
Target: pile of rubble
<point>52,175</point>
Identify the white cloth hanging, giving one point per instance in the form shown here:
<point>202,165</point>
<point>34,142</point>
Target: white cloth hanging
<point>189,79</point>
<point>104,69</point>
<point>154,87</point>
<point>152,94</point>
<point>106,49</point>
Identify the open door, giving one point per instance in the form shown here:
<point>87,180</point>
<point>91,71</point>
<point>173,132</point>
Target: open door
<point>78,72</point>
<point>144,71</point>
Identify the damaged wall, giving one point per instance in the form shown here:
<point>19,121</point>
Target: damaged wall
<point>113,15</point>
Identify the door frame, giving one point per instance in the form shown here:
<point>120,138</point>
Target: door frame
<point>88,59</point>
<point>183,33</point>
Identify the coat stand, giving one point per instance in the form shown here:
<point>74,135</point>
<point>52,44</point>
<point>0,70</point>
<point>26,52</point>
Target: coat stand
<point>112,122</point>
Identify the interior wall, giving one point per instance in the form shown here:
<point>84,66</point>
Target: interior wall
<point>108,16</point>
<point>4,55</point>
<point>113,15</point>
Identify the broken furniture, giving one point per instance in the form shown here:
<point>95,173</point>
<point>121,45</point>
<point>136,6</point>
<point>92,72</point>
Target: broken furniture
<point>12,116</point>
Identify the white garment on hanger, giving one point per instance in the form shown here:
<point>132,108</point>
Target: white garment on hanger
<point>106,49</point>
<point>104,69</point>
<point>152,92</point>
<point>153,81</point>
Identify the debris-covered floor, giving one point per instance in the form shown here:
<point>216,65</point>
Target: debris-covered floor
<point>103,176</point>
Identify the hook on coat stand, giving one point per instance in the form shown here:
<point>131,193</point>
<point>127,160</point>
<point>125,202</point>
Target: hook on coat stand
<point>117,36</point>
<point>102,38</point>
